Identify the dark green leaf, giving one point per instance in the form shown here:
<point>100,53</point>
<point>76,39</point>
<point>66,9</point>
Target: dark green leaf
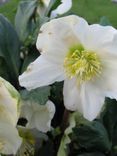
<point>109,115</point>
<point>92,135</point>
<point>109,119</point>
<point>39,95</point>
<point>28,59</point>
<point>24,21</point>
<point>57,98</point>
<point>52,5</point>
<point>92,154</point>
<point>4,71</point>
<point>9,48</point>
<point>46,150</point>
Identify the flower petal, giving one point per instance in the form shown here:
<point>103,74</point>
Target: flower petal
<point>72,100</point>
<point>62,8</point>
<point>8,103</point>
<point>41,116</point>
<point>92,97</point>
<point>54,43</point>
<point>87,99</point>
<point>95,37</point>
<point>41,73</point>
<point>26,110</point>
<point>9,139</point>
<point>109,76</point>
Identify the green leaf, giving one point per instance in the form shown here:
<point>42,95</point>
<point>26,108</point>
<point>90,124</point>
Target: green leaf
<point>63,151</point>
<point>57,98</point>
<point>109,118</point>
<point>9,48</point>
<point>92,154</point>
<point>47,149</point>
<point>92,135</point>
<point>4,70</point>
<point>52,5</point>
<point>39,95</point>
<point>104,21</point>
<point>28,59</point>
<point>11,7</point>
<point>24,21</point>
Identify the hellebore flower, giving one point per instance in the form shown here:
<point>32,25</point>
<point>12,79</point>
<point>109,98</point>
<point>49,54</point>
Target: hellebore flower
<point>82,55</point>
<point>38,116</point>
<point>61,9</point>
<point>10,141</point>
<point>9,102</point>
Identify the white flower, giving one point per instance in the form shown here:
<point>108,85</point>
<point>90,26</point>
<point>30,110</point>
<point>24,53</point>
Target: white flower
<point>61,9</point>
<point>84,56</point>
<point>9,103</point>
<point>9,139</point>
<point>38,116</point>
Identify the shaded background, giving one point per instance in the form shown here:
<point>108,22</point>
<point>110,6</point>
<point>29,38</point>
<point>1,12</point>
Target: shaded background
<point>92,10</point>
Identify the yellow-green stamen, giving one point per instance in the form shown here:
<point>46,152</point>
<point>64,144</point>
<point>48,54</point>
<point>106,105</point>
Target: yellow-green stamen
<point>82,63</point>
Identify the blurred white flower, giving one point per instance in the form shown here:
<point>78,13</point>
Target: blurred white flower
<point>9,103</point>
<point>114,1</point>
<point>9,139</point>
<point>38,116</point>
<point>82,55</point>
<point>61,9</point>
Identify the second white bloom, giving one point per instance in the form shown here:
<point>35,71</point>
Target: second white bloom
<point>38,116</point>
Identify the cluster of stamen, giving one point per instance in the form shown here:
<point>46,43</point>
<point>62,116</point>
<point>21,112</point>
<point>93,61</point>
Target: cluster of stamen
<point>82,64</point>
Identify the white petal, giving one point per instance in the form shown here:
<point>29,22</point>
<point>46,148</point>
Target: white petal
<point>95,37</point>
<point>92,97</point>
<point>9,139</point>
<point>26,110</point>
<point>87,99</point>
<point>111,47</point>
<point>72,100</point>
<point>42,116</point>
<point>57,36</point>
<point>62,8</point>
<point>41,73</point>
<point>109,75</point>
<point>8,103</point>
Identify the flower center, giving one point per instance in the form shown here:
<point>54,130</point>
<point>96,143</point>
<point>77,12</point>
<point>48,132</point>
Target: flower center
<point>82,64</point>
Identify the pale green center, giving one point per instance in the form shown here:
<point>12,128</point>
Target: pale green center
<point>82,64</point>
